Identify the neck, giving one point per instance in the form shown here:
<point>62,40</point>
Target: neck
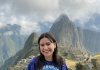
<point>49,58</point>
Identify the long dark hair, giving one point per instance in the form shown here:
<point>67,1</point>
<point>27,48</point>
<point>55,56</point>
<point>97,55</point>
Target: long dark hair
<point>56,58</point>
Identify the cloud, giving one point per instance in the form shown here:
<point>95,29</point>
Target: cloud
<point>29,27</point>
<point>30,12</point>
<point>34,7</point>
<point>2,19</point>
<point>81,10</point>
<point>2,25</point>
<point>94,27</point>
<point>48,18</point>
<point>1,14</point>
<point>13,20</point>
<point>3,2</point>
<point>9,33</point>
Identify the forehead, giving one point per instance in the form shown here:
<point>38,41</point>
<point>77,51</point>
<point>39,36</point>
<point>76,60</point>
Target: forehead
<point>44,40</point>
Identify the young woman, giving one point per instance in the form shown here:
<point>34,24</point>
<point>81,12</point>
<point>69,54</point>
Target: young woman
<point>48,58</point>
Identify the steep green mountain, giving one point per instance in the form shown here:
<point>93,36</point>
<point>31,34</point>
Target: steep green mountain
<point>11,41</point>
<point>66,33</point>
<point>30,48</point>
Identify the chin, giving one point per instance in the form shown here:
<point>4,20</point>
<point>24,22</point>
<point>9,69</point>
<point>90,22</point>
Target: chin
<point>47,55</point>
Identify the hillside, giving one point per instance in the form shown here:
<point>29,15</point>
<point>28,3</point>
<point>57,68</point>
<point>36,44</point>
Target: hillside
<point>10,61</point>
<point>11,41</point>
<point>30,48</point>
<point>90,40</point>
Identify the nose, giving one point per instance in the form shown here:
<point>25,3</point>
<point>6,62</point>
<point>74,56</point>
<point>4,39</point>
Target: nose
<point>45,47</point>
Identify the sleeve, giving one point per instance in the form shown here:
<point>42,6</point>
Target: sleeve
<point>64,66</point>
<point>32,65</point>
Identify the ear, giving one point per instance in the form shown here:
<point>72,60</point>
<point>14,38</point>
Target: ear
<point>55,45</point>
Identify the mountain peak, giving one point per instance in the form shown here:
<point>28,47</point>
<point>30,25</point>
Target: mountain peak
<point>62,17</point>
<point>65,32</point>
<point>61,24</point>
<point>32,39</point>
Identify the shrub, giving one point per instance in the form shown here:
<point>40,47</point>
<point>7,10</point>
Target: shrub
<point>79,66</point>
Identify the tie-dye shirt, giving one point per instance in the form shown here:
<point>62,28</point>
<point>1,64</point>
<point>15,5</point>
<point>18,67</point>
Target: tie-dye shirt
<point>48,65</point>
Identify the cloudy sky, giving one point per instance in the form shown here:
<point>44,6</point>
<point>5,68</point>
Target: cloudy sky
<point>29,13</point>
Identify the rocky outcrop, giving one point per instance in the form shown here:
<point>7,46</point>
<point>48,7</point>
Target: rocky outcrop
<point>95,63</point>
<point>89,66</point>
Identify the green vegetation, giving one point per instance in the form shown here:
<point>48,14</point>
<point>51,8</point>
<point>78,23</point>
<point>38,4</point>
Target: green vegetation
<point>10,44</point>
<point>30,48</point>
<point>8,48</point>
<point>79,66</point>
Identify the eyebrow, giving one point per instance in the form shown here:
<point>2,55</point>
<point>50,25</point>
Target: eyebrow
<point>46,43</point>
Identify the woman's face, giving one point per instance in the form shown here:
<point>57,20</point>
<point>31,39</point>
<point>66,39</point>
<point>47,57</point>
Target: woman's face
<point>46,47</point>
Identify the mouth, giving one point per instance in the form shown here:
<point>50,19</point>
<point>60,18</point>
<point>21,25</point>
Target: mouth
<point>46,51</point>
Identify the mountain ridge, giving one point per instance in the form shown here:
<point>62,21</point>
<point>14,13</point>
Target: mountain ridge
<point>68,35</point>
<point>10,41</point>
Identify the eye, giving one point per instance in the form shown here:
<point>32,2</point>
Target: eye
<point>42,45</point>
<point>48,43</point>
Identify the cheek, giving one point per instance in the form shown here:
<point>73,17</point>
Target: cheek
<point>41,49</point>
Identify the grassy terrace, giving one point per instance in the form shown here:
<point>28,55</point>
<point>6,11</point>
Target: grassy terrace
<point>71,64</point>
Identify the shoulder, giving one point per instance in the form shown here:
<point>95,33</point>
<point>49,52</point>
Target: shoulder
<point>32,64</point>
<point>34,60</point>
<point>61,60</point>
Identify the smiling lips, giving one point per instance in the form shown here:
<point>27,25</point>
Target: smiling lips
<point>46,51</point>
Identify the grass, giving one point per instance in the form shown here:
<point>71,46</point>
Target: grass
<point>98,58</point>
<point>71,64</point>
